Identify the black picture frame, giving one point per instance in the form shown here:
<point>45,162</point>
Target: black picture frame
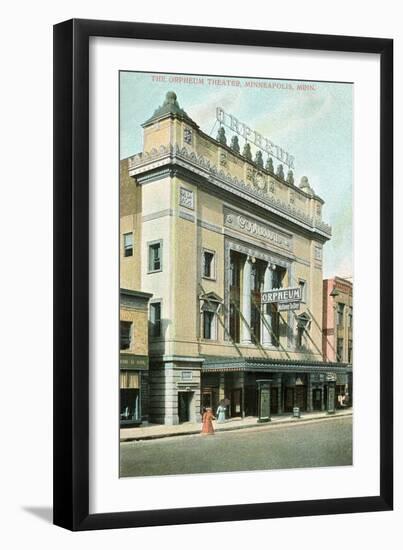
<point>71,274</point>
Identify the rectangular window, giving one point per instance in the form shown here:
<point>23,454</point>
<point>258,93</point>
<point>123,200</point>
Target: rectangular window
<point>155,319</point>
<point>208,325</point>
<point>350,351</point>
<point>235,295</point>
<point>300,333</point>
<point>129,380</point>
<point>302,286</point>
<point>208,264</point>
<point>128,244</point>
<point>340,315</point>
<point>340,349</point>
<point>125,334</point>
<point>350,318</point>
<point>278,276</point>
<point>275,323</point>
<point>235,270</point>
<point>154,257</point>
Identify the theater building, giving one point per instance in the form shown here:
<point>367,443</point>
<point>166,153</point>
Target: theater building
<point>211,231</point>
<point>337,338</point>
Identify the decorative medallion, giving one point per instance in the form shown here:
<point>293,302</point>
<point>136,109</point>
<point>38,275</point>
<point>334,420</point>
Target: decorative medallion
<point>186,198</point>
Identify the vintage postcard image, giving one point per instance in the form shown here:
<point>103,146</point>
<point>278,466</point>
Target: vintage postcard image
<point>236,282</point>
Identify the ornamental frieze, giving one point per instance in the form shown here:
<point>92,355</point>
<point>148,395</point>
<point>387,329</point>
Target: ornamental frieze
<point>258,186</point>
<point>254,228</point>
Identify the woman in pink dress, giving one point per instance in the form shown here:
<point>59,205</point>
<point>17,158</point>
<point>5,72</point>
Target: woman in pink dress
<point>207,426</point>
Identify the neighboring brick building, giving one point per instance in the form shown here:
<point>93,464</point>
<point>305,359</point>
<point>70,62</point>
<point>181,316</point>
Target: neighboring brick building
<point>134,385</point>
<point>337,341</point>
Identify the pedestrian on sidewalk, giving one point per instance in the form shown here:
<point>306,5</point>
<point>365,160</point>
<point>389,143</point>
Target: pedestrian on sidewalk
<point>221,413</point>
<point>207,425</point>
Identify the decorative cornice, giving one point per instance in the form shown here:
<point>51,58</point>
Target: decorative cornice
<point>141,163</point>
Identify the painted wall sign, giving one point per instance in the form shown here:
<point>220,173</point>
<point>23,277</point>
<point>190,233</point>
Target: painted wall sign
<point>136,362</point>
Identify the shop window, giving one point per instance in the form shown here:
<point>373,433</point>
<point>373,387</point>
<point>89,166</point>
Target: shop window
<point>155,319</point>
<point>129,397</point>
<point>125,335</point>
<point>155,257</point>
<point>340,315</point>
<point>208,264</point>
<point>128,244</point>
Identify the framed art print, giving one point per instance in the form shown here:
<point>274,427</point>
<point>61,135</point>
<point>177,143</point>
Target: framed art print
<point>223,274</point>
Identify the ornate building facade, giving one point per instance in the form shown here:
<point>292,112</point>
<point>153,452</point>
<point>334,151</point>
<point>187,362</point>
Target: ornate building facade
<point>211,229</point>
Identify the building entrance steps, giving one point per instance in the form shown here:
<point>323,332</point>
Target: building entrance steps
<point>157,431</point>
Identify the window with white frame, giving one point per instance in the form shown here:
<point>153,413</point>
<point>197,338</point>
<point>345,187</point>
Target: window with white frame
<point>209,325</point>
<point>155,319</point>
<point>340,349</point>
<point>128,244</point>
<point>350,351</point>
<point>300,334</point>
<point>208,264</point>
<point>125,335</point>
<point>302,286</point>
<point>209,313</point>
<point>340,315</point>
<point>155,256</point>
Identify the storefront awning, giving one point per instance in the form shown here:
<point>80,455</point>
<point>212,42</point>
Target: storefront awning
<point>271,365</point>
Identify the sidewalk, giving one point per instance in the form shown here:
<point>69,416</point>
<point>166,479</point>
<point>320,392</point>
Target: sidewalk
<point>158,431</point>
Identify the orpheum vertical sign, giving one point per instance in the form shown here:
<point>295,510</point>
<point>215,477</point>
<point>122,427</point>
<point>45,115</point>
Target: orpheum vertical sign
<point>254,137</point>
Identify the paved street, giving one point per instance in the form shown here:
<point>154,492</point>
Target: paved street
<point>311,444</point>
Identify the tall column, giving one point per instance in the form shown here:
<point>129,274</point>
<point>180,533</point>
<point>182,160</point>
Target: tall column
<point>267,285</point>
<point>246,301</point>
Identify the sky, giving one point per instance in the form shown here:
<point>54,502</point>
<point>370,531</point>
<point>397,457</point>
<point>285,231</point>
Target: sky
<point>314,125</point>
